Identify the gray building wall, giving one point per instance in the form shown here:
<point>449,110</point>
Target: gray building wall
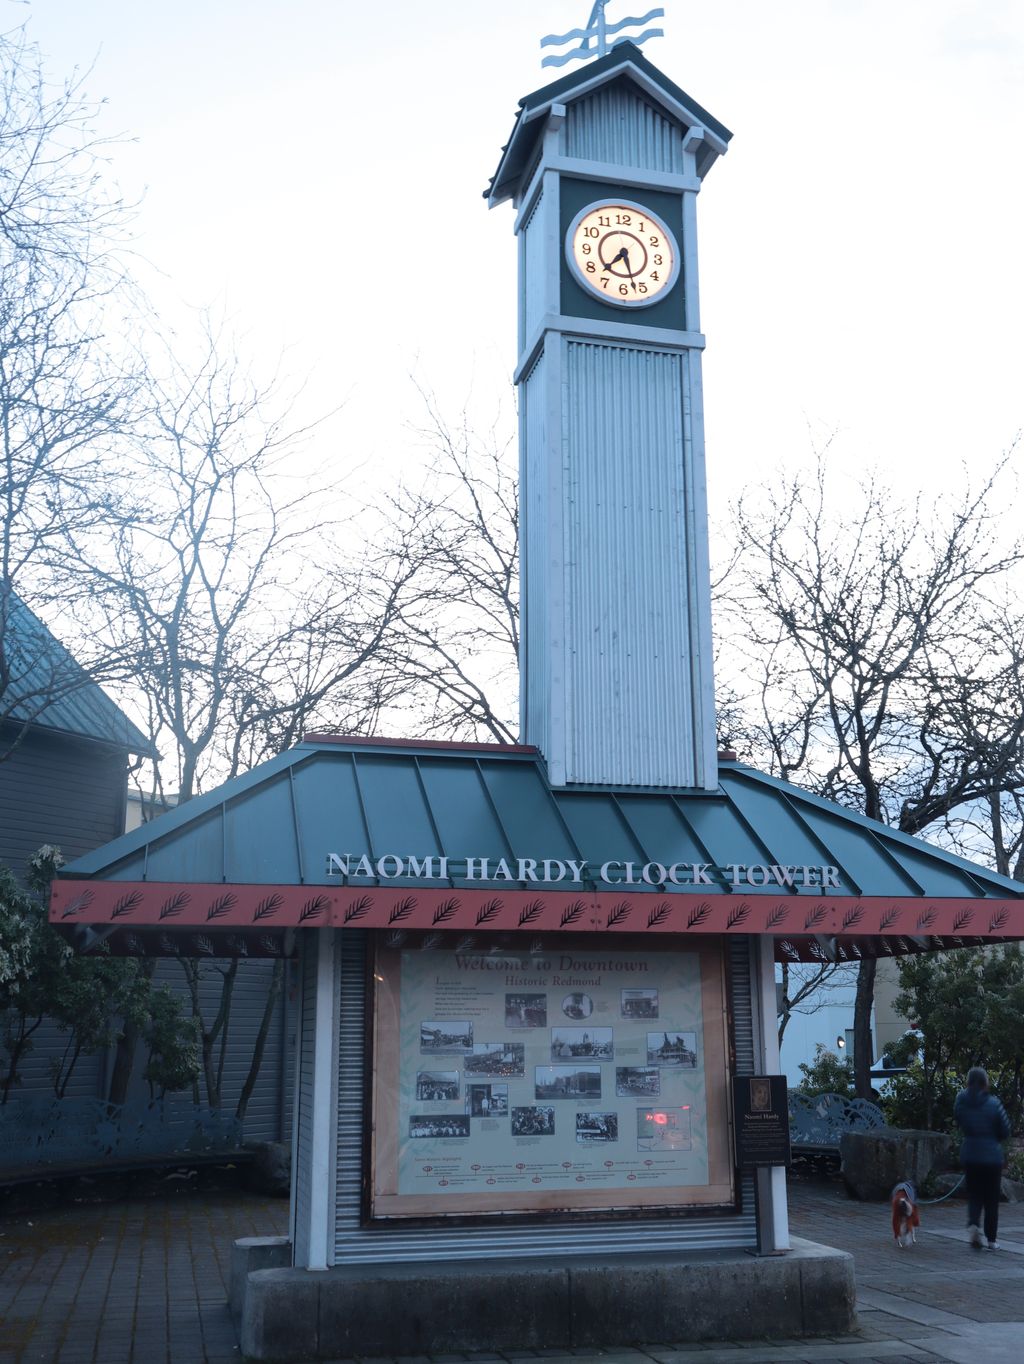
<point>71,792</point>
<point>55,788</point>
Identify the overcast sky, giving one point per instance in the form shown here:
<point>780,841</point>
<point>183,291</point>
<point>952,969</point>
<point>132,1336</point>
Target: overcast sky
<point>315,170</point>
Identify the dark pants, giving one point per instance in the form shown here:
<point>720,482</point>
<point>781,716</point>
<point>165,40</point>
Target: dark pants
<point>983,1186</point>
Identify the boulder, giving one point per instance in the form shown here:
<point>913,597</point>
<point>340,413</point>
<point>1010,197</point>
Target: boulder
<point>943,1186</point>
<point>1012,1191</point>
<point>270,1171</point>
<point>874,1162</point>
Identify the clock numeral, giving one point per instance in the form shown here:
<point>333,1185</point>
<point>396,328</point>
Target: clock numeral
<point>624,291</point>
<point>642,288</point>
<point>654,276</point>
<point>604,222</point>
<point>585,248</point>
<point>591,268</point>
<point>642,228</point>
<point>604,280</point>
<point>623,219</point>
<point>590,232</point>
<point>658,260</point>
<point>655,241</point>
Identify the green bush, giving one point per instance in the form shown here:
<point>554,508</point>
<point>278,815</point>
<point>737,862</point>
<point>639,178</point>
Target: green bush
<point>827,1074</point>
<point>908,1097</point>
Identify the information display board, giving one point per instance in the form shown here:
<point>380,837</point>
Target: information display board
<point>572,1078</point>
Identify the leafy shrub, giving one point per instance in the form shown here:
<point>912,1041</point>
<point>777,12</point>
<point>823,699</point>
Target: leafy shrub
<point>827,1074</point>
<point>908,1097</point>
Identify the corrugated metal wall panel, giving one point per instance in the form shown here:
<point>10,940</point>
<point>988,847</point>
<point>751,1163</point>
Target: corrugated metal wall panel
<point>303,1128</point>
<point>534,265</point>
<point>534,535</point>
<point>741,1003</point>
<point>53,789</point>
<point>397,1244</point>
<point>617,125</point>
<point>351,1081</point>
<point>629,693</point>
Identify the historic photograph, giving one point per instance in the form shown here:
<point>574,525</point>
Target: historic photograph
<point>487,1101</point>
<point>639,1004</point>
<point>526,1011</point>
<point>631,1081</point>
<point>663,1129</point>
<point>448,1035</point>
<point>438,1125</point>
<point>672,1049</point>
<point>570,1043</point>
<point>591,1127</point>
<point>533,1122</point>
<point>577,1006</point>
<point>567,1082</point>
<point>434,1085</point>
<point>497,1058</point>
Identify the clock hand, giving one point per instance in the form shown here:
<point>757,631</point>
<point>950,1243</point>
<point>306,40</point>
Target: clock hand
<point>622,255</point>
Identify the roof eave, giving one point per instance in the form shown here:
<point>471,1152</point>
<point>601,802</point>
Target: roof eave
<point>624,60</point>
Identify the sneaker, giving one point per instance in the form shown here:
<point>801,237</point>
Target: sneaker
<point>993,1245</point>
<point>974,1236</point>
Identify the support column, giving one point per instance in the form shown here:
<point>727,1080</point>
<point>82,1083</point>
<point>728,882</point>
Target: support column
<point>313,1165</point>
<point>770,1181</point>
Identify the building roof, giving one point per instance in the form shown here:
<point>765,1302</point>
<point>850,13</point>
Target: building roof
<point>48,688</point>
<point>278,826</point>
<point>624,62</point>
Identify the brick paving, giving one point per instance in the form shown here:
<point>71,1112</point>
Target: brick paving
<point>144,1282</point>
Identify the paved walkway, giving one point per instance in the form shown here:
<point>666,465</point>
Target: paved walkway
<point>144,1283</point>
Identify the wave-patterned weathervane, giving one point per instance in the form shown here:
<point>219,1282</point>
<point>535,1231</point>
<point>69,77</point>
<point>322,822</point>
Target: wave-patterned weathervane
<point>597,39</point>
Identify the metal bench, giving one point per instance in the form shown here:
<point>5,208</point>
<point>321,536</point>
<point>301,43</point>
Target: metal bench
<point>816,1122</point>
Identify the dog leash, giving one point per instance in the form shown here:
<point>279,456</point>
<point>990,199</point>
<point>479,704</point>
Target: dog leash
<point>923,1202</point>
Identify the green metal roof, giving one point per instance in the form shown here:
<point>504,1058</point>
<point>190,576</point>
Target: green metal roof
<point>49,688</point>
<point>518,151</point>
<point>279,823</point>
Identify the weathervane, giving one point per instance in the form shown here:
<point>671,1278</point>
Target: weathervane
<point>597,33</point>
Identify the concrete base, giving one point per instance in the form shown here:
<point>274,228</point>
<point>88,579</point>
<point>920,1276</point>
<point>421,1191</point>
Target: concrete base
<point>372,1310</point>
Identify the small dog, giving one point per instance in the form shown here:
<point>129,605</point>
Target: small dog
<point>905,1216</point>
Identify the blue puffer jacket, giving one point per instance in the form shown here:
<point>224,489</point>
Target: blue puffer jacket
<point>983,1121</point>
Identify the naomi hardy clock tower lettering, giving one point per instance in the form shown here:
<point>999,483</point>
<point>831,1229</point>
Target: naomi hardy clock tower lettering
<point>604,167</point>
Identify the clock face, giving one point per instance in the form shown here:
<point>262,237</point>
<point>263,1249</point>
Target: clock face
<point>622,253</point>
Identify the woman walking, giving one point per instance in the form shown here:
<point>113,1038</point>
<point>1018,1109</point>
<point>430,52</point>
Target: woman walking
<point>983,1121</point>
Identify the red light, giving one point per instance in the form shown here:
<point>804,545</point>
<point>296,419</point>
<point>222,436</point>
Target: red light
<point>660,1118</point>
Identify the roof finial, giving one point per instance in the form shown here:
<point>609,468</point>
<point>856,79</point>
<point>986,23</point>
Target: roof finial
<point>595,37</point>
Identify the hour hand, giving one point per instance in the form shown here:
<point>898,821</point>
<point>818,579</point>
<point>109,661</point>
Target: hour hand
<point>623,254</point>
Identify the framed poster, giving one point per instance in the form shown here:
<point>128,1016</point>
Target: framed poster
<point>580,1078</point>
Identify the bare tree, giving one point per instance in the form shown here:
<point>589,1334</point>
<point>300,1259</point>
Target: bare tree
<point>66,391</point>
<point>809,987</point>
<point>454,644</point>
<point>877,658</point>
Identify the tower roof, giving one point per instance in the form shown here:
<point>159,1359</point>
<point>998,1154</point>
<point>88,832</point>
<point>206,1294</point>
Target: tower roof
<point>624,62</point>
<point>253,858</point>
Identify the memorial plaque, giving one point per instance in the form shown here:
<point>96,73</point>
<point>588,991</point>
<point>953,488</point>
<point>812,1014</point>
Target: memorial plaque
<point>761,1111</point>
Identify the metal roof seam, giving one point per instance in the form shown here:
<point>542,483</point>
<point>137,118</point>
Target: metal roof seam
<point>430,811</point>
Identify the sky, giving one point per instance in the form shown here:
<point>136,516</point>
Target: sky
<point>313,172</point>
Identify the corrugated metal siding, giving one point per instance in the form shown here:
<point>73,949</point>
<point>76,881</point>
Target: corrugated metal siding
<point>268,1117</point>
<point>303,1129</point>
<point>58,790</point>
<point>351,1080</point>
<point>617,125</point>
<point>536,661</point>
<point>741,1006</point>
<point>629,693</point>
<point>398,1244</point>
<point>534,266</point>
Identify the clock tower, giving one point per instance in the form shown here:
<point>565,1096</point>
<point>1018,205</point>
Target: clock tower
<point>604,167</point>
